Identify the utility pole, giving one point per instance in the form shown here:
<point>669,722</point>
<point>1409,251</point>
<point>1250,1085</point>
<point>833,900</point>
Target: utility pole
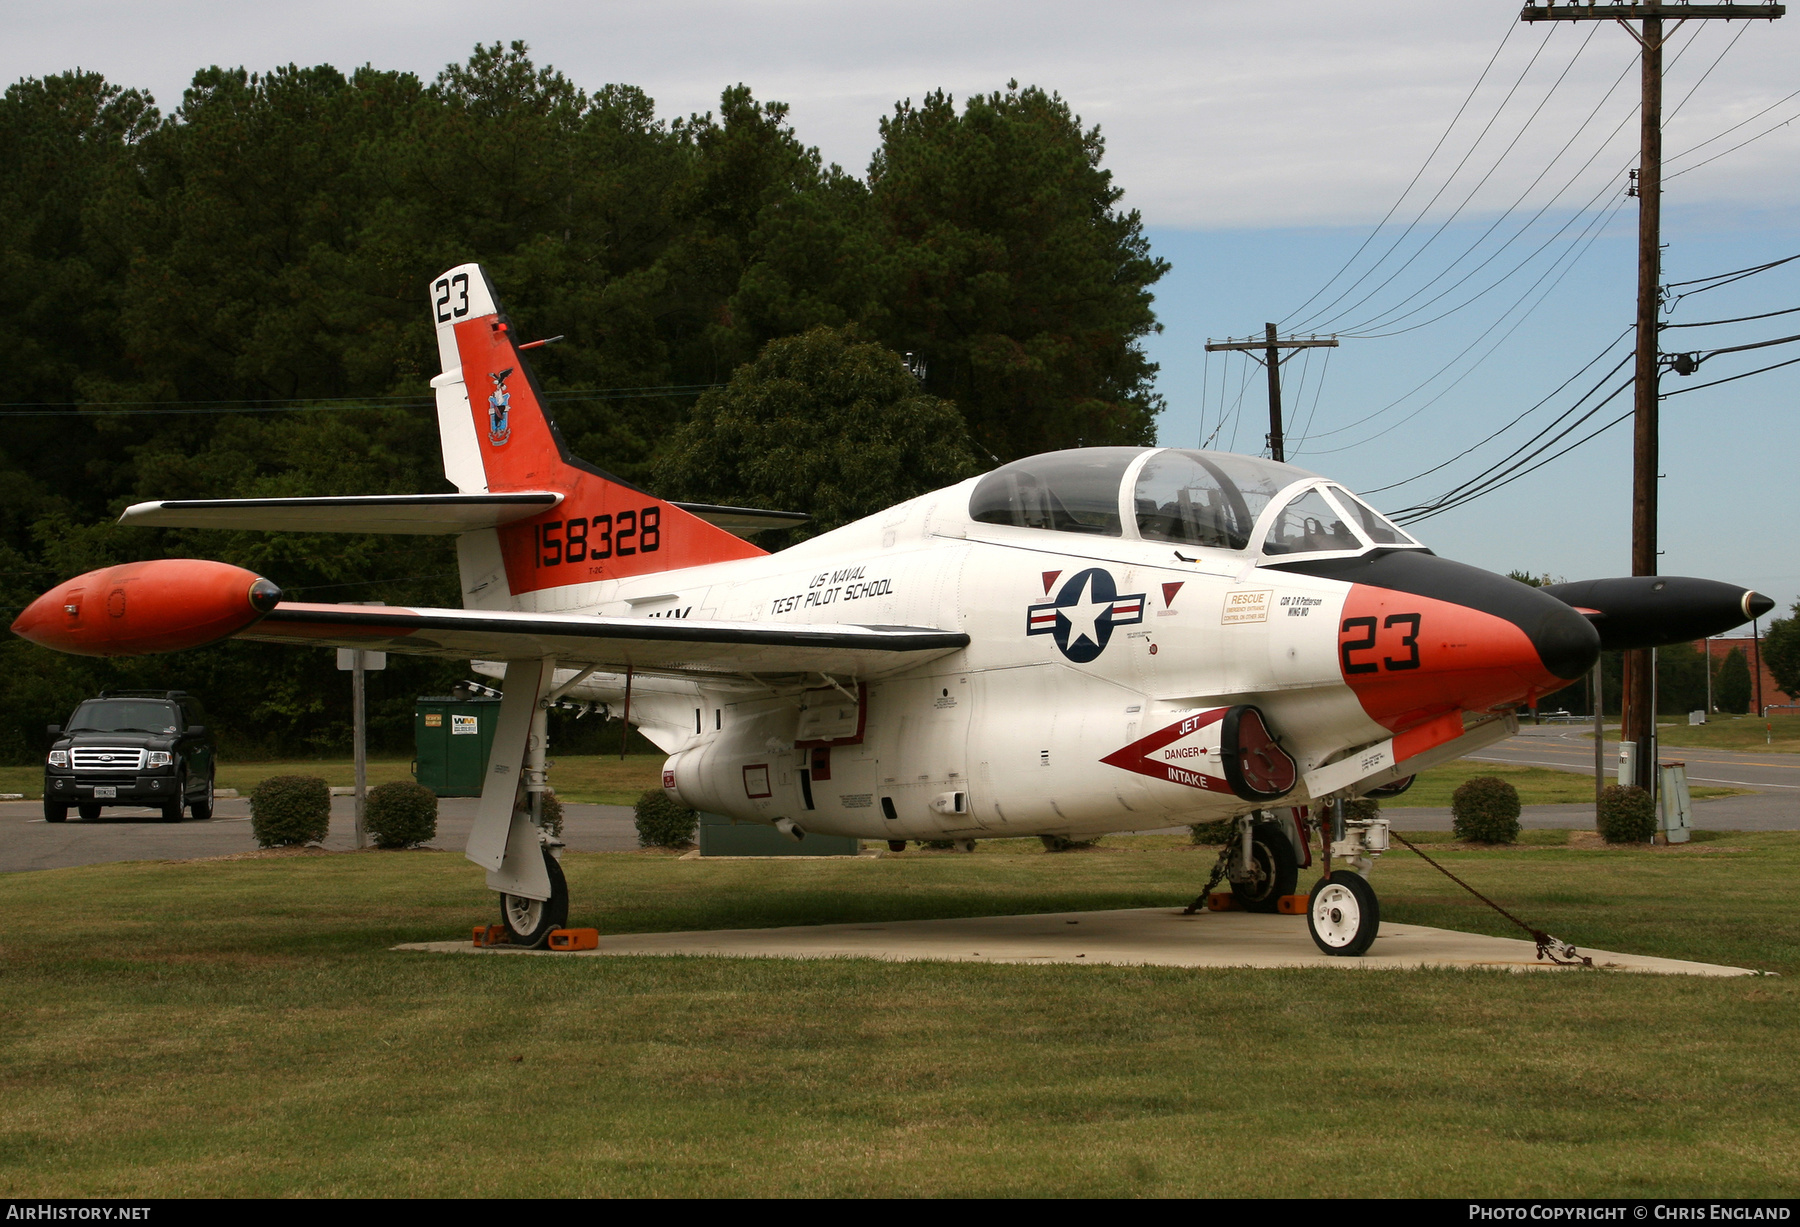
<point>1638,697</point>
<point>1271,346</point>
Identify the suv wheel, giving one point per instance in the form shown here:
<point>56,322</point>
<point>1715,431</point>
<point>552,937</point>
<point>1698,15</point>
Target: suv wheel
<point>171,810</point>
<point>202,808</point>
<point>55,811</point>
<point>88,811</point>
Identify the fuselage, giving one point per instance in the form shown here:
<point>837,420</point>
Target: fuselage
<point>1113,597</point>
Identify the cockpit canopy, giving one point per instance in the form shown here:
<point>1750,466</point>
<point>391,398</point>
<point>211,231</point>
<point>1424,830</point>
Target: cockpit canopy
<point>1211,500</point>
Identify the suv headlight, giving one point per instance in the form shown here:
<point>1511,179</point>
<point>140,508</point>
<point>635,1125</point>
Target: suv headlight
<point>59,758</point>
<point>159,758</point>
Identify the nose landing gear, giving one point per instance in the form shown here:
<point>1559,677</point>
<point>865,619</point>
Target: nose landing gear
<point>1343,915</point>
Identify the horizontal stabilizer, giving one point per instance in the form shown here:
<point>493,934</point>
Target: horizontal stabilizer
<point>657,645</point>
<point>744,521</point>
<point>420,514</point>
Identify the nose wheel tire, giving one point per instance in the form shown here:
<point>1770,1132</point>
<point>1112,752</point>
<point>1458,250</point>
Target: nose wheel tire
<point>1274,870</point>
<point>1343,914</point>
<point>528,921</point>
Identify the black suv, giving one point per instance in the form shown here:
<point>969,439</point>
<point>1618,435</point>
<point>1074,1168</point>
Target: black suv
<point>131,747</point>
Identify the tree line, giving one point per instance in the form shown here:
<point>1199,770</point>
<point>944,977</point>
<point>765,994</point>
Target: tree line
<point>229,299</point>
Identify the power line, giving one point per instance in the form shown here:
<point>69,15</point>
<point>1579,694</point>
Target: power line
<point>1527,413</point>
<point>1752,140</point>
<point>1444,187</point>
<point>205,408</point>
<point>1728,278</point>
<point>1742,319</point>
<point>1516,476</point>
<point>1572,257</point>
<point>1470,196</point>
<point>1500,467</point>
<point>1423,166</point>
<point>1731,378</point>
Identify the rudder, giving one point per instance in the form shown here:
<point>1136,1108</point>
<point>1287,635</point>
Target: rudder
<point>497,436</point>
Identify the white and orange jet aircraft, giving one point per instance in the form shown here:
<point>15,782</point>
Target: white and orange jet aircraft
<point>1106,639</point>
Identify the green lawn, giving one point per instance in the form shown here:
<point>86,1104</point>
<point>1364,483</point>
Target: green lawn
<point>242,1027</point>
<point>1776,733</point>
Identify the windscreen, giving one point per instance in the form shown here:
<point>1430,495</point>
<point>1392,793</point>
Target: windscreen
<point>1206,498</point>
<point>1309,525</point>
<point>1070,492</point>
<point>123,716</point>
<point>1374,525</point>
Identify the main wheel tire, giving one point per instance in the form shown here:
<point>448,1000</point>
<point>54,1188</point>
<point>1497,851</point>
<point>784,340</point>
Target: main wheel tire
<point>203,808</point>
<point>1343,914</point>
<point>88,811</point>
<point>528,921</point>
<point>55,811</point>
<point>1275,870</point>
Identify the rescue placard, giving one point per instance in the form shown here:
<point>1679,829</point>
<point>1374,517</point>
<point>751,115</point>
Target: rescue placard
<point>1252,606</point>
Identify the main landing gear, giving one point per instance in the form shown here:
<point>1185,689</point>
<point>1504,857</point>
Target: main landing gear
<point>528,921</point>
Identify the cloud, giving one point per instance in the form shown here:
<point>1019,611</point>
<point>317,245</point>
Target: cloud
<point>1216,114</point>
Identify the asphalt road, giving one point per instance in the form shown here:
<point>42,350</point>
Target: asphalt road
<point>28,842</point>
<point>1773,805</point>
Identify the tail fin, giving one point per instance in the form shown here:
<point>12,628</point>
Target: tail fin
<point>497,436</point>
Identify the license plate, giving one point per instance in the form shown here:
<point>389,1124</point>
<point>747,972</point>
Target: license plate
<point>105,794</point>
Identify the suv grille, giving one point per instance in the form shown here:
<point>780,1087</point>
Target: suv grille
<point>105,758</point>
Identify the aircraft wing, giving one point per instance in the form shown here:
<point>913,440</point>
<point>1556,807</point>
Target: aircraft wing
<point>406,514</point>
<point>673,646</point>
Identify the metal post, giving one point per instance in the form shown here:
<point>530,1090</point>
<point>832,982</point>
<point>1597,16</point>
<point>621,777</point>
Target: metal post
<point>625,722</point>
<point>1272,360</point>
<point>1756,641</point>
<point>359,722</point>
<point>536,766</point>
<point>1707,643</point>
<point>1639,723</point>
<point>1599,740</point>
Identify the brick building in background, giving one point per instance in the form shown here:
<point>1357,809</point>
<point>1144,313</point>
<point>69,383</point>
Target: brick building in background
<point>1752,650</point>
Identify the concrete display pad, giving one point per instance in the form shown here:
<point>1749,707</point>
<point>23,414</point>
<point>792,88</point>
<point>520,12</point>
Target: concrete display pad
<point>1161,937</point>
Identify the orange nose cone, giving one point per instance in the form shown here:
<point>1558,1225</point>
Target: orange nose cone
<point>1410,657</point>
<point>141,608</point>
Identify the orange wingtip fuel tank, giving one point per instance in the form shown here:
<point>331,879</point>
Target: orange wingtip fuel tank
<point>141,608</point>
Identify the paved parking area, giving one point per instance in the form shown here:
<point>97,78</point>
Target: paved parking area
<point>28,842</point>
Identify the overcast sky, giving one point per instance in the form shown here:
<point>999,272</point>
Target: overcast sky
<point>1261,141</point>
<point>1217,113</point>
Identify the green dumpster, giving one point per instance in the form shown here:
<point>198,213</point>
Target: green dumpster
<point>720,836</point>
<point>452,738</point>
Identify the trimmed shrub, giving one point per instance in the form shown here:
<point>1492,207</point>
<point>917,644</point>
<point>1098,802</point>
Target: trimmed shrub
<point>401,814</point>
<point>1363,808</point>
<point>552,813</point>
<point>1627,815</point>
<point>1485,810</point>
<point>290,809</point>
<point>662,823</point>
<point>1062,843</point>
